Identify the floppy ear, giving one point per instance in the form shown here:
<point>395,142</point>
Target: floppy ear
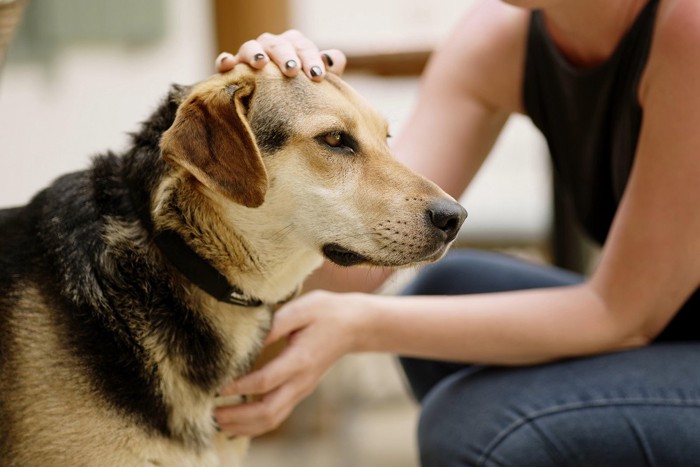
<point>211,138</point>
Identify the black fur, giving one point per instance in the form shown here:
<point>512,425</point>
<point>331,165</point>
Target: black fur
<point>271,136</point>
<point>58,242</point>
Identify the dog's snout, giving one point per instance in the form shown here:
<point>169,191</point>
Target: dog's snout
<point>447,216</point>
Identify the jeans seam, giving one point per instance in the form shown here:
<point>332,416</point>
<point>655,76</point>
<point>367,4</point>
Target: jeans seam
<point>639,438</point>
<point>570,407</point>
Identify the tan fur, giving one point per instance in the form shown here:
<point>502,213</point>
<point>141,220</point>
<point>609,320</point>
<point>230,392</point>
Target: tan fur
<point>262,220</point>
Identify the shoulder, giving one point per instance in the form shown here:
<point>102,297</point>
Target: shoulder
<point>485,54</point>
<point>678,20</point>
<point>673,56</point>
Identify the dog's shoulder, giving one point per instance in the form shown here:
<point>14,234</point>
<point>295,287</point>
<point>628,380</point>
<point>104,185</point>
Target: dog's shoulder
<point>16,245</point>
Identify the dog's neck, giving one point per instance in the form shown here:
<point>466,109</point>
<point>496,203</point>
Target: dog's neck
<point>238,253</point>
<point>195,268</point>
<point>222,252</point>
<point>201,272</point>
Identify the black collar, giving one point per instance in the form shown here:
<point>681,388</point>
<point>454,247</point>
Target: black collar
<point>196,269</point>
<point>199,271</point>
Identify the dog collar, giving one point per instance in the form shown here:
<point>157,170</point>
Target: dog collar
<point>196,269</point>
<point>200,272</point>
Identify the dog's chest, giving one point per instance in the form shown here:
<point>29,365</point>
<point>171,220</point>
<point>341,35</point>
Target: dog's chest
<point>242,332</point>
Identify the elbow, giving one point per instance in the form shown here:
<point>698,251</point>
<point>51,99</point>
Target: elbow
<point>635,333</point>
<point>628,335</point>
<point>634,341</point>
<point>645,334</point>
<point>625,326</point>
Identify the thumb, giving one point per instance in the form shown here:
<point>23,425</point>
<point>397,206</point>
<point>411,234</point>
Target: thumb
<point>287,320</point>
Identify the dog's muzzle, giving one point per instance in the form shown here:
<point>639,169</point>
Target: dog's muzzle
<point>443,219</point>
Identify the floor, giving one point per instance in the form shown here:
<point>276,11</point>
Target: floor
<point>369,422</point>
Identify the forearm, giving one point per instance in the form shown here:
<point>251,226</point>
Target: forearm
<point>512,328</point>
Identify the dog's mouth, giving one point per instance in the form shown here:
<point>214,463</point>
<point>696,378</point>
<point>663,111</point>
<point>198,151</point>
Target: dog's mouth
<point>342,256</point>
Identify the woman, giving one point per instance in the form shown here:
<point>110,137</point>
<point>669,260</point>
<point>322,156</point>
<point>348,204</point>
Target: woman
<point>597,371</point>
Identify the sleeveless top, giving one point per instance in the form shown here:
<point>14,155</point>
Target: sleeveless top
<point>591,119</point>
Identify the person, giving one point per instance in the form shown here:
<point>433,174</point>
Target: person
<point>513,363</point>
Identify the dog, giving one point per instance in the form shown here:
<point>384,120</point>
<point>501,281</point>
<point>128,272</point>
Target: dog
<point>132,291</point>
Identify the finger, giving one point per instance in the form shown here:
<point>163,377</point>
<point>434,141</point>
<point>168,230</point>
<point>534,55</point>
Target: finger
<point>311,60</point>
<point>224,62</point>
<point>335,60</point>
<point>282,52</point>
<point>288,319</point>
<point>243,420</point>
<point>253,54</point>
<point>257,418</point>
<point>268,378</point>
<point>252,383</point>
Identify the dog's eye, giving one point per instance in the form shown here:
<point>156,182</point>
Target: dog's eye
<point>334,140</point>
<point>339,140</point>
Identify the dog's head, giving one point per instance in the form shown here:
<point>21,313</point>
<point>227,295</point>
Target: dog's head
<point>308,164</point>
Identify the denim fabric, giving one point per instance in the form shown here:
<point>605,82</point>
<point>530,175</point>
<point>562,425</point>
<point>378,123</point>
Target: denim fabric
<point>632,408</point>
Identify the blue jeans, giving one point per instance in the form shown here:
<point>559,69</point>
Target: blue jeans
<point>632,408</point>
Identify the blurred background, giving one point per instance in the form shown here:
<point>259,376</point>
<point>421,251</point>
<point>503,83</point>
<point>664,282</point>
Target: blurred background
<point>81,74</point>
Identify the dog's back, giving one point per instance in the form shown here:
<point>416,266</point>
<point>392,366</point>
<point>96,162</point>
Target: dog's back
<point>54,344</point>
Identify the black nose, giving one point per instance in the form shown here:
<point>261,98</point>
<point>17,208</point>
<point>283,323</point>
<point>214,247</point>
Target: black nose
<point>447,216</point>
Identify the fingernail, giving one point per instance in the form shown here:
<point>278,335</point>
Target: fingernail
<point>291,64</point>
<point>222,57</point>
<point>329,60</point>
<point>316,71</point>
<point>257,57</point>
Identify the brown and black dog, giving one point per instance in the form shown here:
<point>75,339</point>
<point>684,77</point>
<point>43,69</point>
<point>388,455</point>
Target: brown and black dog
<point>132,291</point>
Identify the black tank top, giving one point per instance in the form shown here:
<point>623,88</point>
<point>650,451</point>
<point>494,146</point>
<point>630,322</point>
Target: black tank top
<point>591,120</point>
<point>590,117</point>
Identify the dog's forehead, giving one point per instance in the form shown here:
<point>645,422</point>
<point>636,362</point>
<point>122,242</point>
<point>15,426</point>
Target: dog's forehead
<point>282,102</point>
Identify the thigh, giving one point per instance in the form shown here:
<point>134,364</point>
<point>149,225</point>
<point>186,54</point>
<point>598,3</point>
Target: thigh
<point>475,271</point>
<point>467,272</point>
<point>640,407</point>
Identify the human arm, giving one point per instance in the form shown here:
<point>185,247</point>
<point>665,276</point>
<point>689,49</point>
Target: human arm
<point>648,268</point>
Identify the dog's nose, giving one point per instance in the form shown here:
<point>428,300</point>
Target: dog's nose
<point>447,216</point>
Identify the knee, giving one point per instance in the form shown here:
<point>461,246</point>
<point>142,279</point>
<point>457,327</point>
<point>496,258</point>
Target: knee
<point>444,443</point>
<point>460,427</point>
<point>450,432</point>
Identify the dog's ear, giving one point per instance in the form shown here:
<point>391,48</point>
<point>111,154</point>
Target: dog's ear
<point>178,93</point>
<point>212,139</point>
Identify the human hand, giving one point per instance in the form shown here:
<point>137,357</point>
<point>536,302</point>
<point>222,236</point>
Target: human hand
<point>321,327</point>
<point>288,51</point>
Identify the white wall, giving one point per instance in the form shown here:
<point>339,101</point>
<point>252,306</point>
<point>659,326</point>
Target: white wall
<point>52,121</point>
<point>365,25</point>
